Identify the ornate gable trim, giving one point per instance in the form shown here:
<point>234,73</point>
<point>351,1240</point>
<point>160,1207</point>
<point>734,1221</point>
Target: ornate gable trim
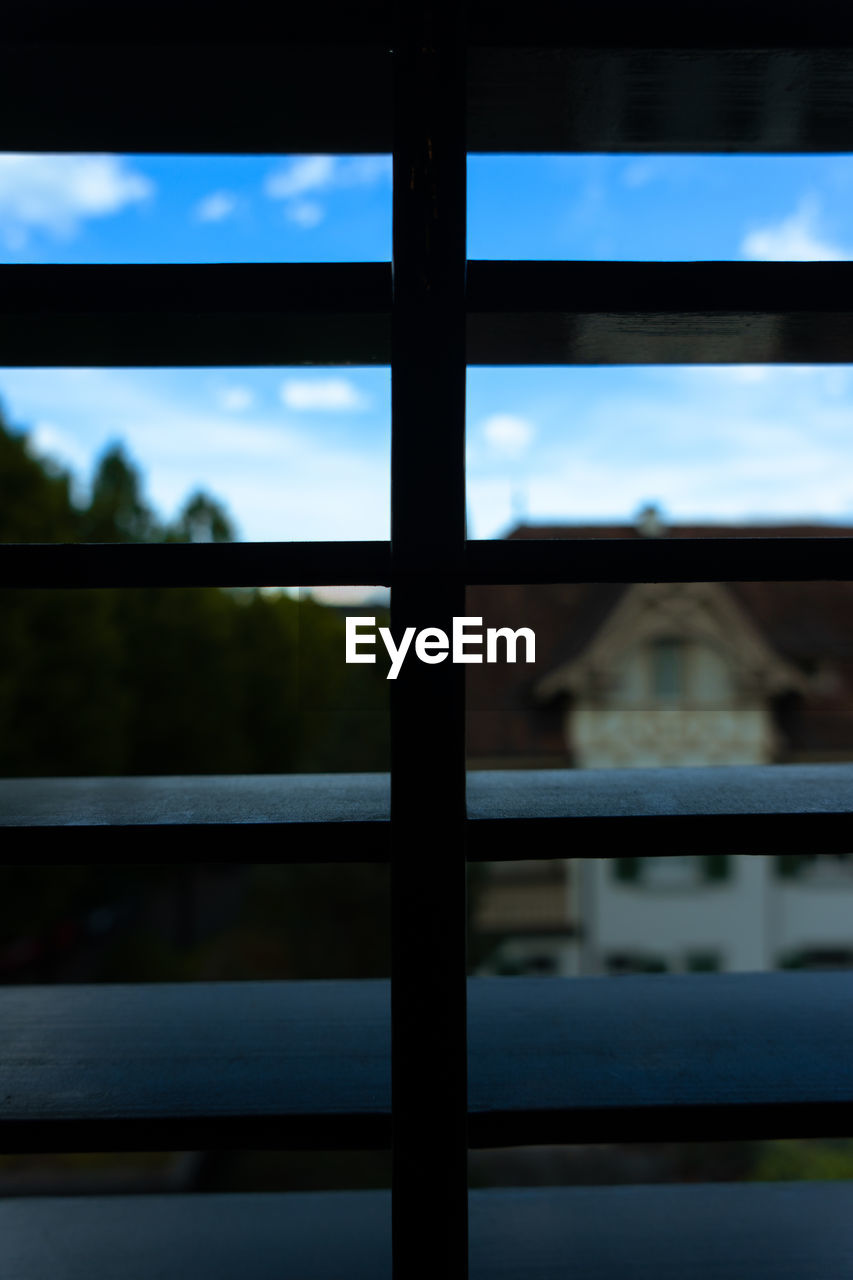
<point>692,611</point>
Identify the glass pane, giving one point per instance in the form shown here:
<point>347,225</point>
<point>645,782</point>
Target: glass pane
<point>185,681</point>
<point>660,207</point>
<point>685,913</point>
<point>147,455</point>
<point>762,671</point>
<point>632,451</point>
<point>175,1172</point>
<point>86,208</point>
<point>652,675</point>
<point>168,922</point>
<point>667,671</point>
<point>776,1160</point>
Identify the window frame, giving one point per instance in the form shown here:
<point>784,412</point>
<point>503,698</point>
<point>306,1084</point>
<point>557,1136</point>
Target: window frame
<point>426,566</point>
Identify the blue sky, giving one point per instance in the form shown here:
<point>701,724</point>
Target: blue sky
<point>304,453</point>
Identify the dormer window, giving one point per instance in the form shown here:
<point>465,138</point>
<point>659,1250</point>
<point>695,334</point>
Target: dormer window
<point>669,671</point>
<point>667,662</point>
<point>675,674</point>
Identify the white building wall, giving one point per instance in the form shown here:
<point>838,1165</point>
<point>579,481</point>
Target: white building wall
<point>813,912</point>
<point>728,917</point>
<point>652,737</point>
<point>752,920</point>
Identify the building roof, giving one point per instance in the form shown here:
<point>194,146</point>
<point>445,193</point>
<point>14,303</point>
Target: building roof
<point>808,624</point>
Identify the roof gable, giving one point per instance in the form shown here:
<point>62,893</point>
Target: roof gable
<point>705,612</point>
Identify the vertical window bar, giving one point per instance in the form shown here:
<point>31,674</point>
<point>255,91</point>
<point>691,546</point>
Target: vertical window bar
<point>428,992</point>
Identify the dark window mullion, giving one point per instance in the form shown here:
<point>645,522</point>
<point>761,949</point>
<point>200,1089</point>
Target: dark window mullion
<point>429,1061</point>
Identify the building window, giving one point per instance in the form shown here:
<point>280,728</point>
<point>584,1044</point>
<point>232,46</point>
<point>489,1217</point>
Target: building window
<point>818,958</point>
<point>667,660</point>
<point>677,871</point>
<point>815,868</point>
<point>622,962</point>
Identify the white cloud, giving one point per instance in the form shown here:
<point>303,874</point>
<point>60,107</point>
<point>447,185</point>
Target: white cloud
<point>307,173</point>
<point>508,435</point>
<point>305,213</point>
<point>235,399</point>
<point>832,380</point>
<point>740,489</point>
<point>54,194</point>
<point>311,175</point>
<point>327,395</point>
<point>702,442</point>
<point>751,373</point>
<point>794,239</point>
<point>363,171</point>
<point>216,207</point>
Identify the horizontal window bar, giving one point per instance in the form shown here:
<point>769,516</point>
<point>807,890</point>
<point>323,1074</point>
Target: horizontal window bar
<point>662,1058</point>
<point>101,22</point>
<point>652,1059</point>
<point>199,314</point>
<point>516,814</point>
<point>267,288</point>
<point>296,88</point>
<point>243,1064</point>
<point>658,313</point>
<point>628,288</point>
<point>530,560</point>
<point>195,564</point>
<point>716,559</point>
<point>760,1230</point>
<point>252,95</point>
<point>663,1230</point>
<point>513,814</point>
<point>503,24</point>
<point>282,815</point>
<point>542,25</point>
<point>732,97</point>
<point>339,313</point>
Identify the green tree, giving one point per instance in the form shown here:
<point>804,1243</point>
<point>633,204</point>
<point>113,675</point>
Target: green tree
<point>166,680</point>
<point>116,511</point>
<point>177,681</point>
<point>202,520</point>
<point>35,495</point>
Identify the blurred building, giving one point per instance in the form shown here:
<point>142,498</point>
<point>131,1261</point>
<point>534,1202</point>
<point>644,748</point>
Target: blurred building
<point>667,675</point>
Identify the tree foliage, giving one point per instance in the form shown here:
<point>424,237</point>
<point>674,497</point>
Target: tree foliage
<point>171,680</point>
